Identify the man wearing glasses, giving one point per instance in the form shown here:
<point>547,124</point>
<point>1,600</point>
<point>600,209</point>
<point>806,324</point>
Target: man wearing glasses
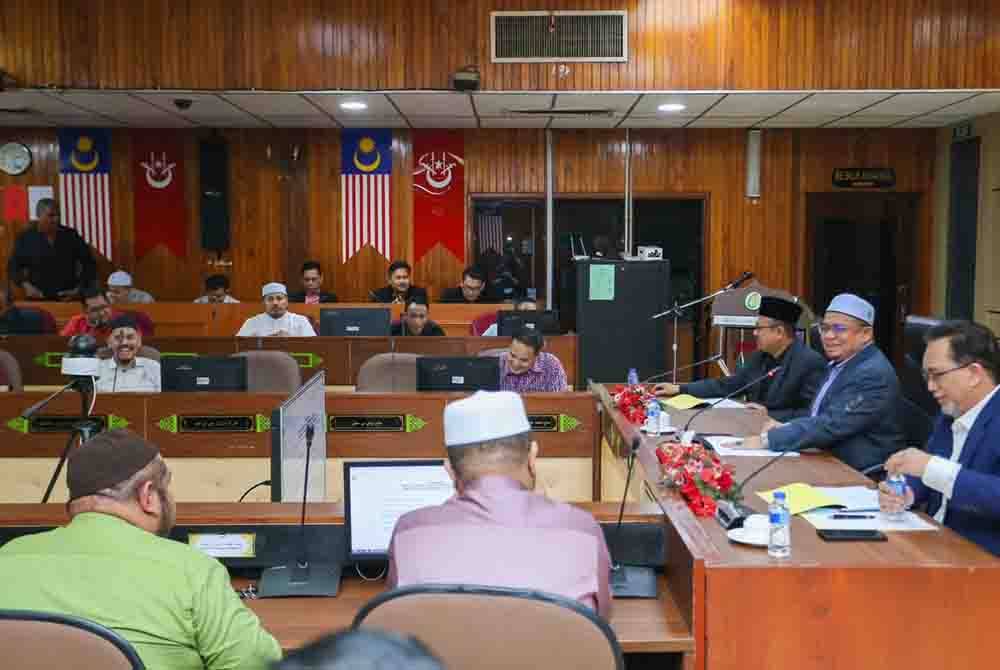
<point>959,474</point>
<point>790,393</point>
<point>854,413</point>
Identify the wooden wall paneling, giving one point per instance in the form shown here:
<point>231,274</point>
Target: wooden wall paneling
<point>505,161</point>
<point>589,161</point>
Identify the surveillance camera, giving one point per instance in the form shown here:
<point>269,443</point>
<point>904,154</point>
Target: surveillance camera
<point>183,103</point>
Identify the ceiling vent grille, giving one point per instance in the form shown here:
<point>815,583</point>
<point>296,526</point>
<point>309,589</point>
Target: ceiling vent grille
<point>559,37</point>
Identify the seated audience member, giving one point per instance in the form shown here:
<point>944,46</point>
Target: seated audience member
<point>415,321</point>
<point>362,649</point>
<point>16,321</point>
<point>855,411</point>
<point>487,323</point>
<point>121,291</point>
<point>787,395</point>
<point>471,290</point>
<point>51,261</point>
<point>958,476</point>
<point>312,286</point>
<point>399,288</point>
<point>497,531</point>
<point>217,291</point>
<point>525,368</point>
<point>95,319</point>
<point>126,371</point>
<point>276,321</point>
<point>114,564</point>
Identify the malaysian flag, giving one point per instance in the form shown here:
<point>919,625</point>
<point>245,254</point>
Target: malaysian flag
<point>490,230</point>
<point>365,195</point>
<point>84,185</point>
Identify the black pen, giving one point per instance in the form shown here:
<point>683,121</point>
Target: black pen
<point>853,516</point>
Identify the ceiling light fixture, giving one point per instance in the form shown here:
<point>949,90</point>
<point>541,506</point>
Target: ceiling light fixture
<point>672,107</point>
<point>353,106</point>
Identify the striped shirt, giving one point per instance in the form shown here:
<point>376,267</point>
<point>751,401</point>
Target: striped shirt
<point>546,375</point>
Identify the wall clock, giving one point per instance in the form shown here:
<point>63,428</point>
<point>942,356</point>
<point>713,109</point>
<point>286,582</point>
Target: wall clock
<point>15,158</point>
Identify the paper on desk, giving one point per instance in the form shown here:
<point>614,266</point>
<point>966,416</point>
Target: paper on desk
<point>802,497</point>
<point>720,445</point>
<point>824,521</point>
<point>853,498</point>
<point>724,404</point>
<point>683,401</point>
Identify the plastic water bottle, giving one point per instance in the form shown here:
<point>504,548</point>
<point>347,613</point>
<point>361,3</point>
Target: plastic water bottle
<point>653,417</point>
<point>633,377</point>
<point>897,485</point>
<point>779,543</point>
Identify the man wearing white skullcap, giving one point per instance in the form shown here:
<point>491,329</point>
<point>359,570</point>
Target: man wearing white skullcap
<point>856,411</point>
<point>496,531</point>
<point>120,290</point>
<point>276,321</point>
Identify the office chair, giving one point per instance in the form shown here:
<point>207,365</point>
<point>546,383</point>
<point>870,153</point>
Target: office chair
<point>388,373</point>
<point>494,628</point>
<point>45,640</point>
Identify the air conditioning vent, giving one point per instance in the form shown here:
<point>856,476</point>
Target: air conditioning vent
<point>559,37</point>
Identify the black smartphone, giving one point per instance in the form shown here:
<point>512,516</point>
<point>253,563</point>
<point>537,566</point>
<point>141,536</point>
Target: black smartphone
<point>845,535</point>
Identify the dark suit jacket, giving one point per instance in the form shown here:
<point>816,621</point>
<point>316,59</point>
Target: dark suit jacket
<point>301,297</point>
<point>858,417</point>
<point>455,295</point>
<point>974,508</point>
<point>431,329</point>
<point>787,396</point>
<point>386,294</point>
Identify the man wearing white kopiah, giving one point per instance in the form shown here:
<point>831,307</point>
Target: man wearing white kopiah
<point>496,531</point>
<point>276,321</point>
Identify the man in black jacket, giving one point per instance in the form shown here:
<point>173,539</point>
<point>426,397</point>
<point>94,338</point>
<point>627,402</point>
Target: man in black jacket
<point>51,261</point>
<point>415,321</point>
<point>473,288</point>
<point>399,288</point>
<point>312,285</point>
<point>790,392</point>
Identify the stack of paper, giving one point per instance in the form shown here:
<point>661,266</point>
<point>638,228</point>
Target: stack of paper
<point>726,446</point>
<point>826,520</point>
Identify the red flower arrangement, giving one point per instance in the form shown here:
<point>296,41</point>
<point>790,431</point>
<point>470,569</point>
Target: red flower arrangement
<point>631,401</point>
<point>698,474</point>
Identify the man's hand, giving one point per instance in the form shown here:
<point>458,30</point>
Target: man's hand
<point>666,390</point>
<point>32,292</point>
<point>69,294</point>
<point>756,407</point>
<point>892,503</point>
<point>910,461</point>
<point>771,424</point>
<point>749,442</point>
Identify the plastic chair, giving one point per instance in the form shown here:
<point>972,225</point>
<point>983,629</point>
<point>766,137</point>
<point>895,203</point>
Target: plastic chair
<point>271,371</point>
<point>45,640</point>
<point>388,373</point>
<point>494,628</point>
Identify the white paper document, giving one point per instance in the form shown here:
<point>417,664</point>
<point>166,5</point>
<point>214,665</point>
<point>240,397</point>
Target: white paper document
<point>724,446</point>
<point>853,498</point>
<point>723,404</point>
<point>825,520</point>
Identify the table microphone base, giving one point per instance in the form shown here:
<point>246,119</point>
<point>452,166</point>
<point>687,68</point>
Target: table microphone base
<point>731,514</point>
<point>295,580</point>
<point>633,581</point>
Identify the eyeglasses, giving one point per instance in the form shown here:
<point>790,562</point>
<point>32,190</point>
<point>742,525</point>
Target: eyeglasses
<point>931,375</point>
<point>771,327</point>
<point>837,329</point>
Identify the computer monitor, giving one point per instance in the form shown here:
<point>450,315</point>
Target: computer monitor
<point>204,373</point>
<point>458,373</point>
<point>358,321</point>
<point>545,322</point>
<point>377,493</point>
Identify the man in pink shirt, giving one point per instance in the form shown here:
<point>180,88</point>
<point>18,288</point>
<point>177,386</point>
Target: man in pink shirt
<point>496,531</point>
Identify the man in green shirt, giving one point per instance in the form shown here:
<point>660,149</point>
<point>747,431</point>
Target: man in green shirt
<point>112,564</point>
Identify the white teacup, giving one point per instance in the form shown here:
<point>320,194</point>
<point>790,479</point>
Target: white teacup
<point>757,526</point>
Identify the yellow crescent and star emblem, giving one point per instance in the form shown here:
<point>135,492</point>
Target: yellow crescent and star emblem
<point>78,159</point>
<point>363,155</point>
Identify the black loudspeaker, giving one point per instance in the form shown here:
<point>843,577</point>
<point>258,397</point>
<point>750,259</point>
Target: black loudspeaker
<point>614,303</point>
<point>214,188</point>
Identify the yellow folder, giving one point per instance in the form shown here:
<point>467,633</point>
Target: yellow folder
<point>683,401</point>
<point>801,497</point>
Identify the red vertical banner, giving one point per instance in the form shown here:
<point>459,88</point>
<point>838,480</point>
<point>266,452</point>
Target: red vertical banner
<point>15,204</point>
<point>161,215</point>
<point>439,192</point>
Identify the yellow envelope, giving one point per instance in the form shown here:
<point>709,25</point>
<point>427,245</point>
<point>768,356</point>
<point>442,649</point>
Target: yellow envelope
<point>801,497</point>
<point>683,401</point>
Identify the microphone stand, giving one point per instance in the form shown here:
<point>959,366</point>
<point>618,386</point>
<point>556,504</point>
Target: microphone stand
<point>668,373</point>
<point>83,429</point>
<point>732,513</point>
<point>630,581</point>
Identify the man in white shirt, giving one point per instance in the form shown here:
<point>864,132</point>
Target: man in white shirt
<point>125,371</point>
<point>216,291</point>
<point>958,476</point>
<point>276,321</point>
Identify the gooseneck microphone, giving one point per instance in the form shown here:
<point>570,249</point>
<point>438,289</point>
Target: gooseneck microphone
<point>767,375</point>
<point>629,581</point>
<point>739,281</point>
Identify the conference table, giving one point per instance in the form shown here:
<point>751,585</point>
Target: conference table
<point>919,600</point>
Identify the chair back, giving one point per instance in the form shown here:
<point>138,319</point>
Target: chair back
<point>271,371</point>
<point>44,640</point>
<point>388,373</point>
<point>10,369</point>
<point>917,425</point>
<point>494,628</point>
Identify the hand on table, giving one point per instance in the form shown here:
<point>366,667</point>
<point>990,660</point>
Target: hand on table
<point>666,390</point>
<point>909,461</point>
<point>756,407</point>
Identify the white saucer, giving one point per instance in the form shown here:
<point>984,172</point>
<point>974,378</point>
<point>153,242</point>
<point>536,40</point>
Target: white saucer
<point>740,535</point>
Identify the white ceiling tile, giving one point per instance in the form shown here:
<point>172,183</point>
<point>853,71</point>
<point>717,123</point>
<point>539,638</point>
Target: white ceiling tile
<point>120,106</point>
<point>515,122</point>
<point>378,105</point>
<point>207,109</point>
<point>662,121</point>
<point>724,122</point>
<point>908,104</point>
<point>267,105</point>
<point>443,121</point>
<point>373,121</point>
<point>23,120</point>
<point>922,122</point>
<point>754,104</point>
<point>796,122</point>
<point>316,121</point>
<point>866,121</point>
<point>39,101</point>
<point>987,103</point>
<point>433,104</point>
<point>694,103</point>
<point>616,102</point>
<point>498,104</point>
<point>836,104</point>
<point>585,121</point>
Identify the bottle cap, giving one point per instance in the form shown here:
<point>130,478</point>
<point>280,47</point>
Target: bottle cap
<point>779,495</point>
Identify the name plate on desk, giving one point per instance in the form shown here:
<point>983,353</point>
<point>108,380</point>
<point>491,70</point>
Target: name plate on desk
<point>552,423</point>
<point>62,424</point>
<point>225,545</point>
<point>244,423</point>
<point>375,423</point>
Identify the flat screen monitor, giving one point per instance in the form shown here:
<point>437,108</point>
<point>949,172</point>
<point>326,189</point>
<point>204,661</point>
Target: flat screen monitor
<point>545,322</point>
<point>358,321</point>
<point>204,373</point>
<point>458,373</point>
<point>377,493</point>
<point>289,422</point>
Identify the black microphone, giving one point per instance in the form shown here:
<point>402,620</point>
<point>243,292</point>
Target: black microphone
<point>767,375</point>
<point>739,281</point>
<point>630,581</point>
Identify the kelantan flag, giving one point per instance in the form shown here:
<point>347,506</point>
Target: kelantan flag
<point>438,192</point>
<point>161,215</point>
